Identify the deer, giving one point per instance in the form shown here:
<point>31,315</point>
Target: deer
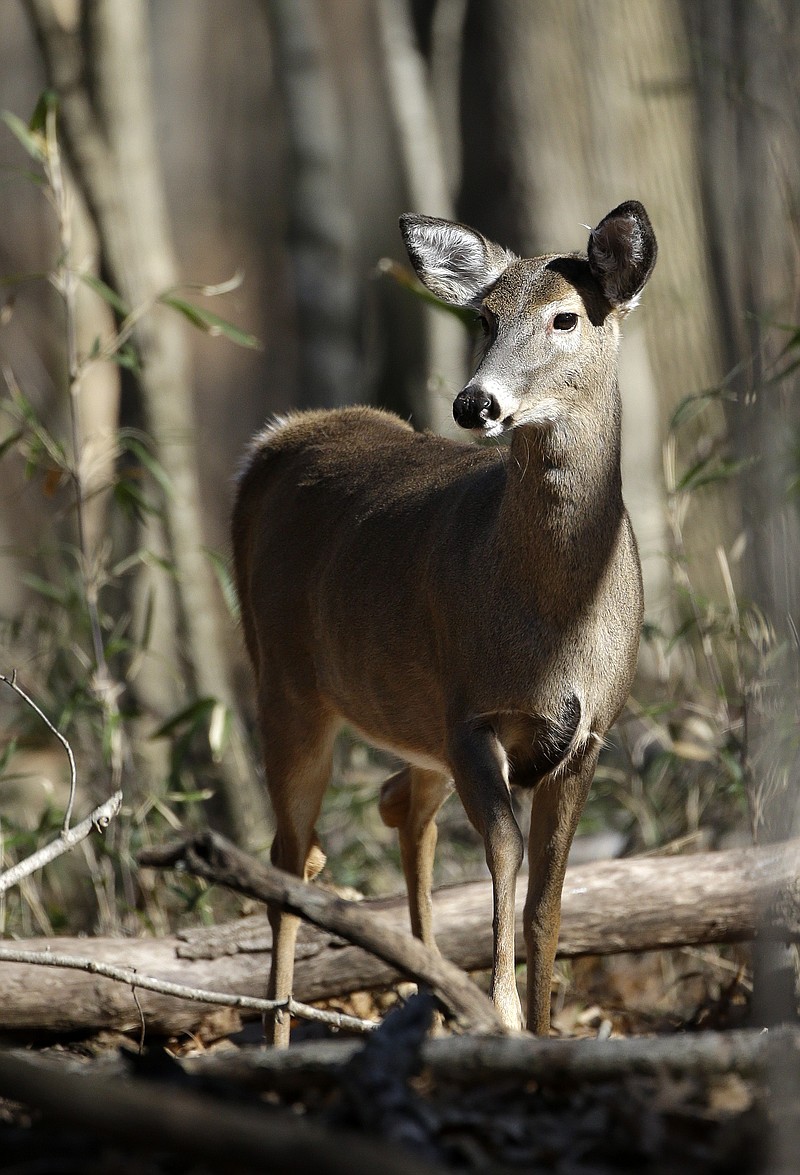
<point>473,609</point>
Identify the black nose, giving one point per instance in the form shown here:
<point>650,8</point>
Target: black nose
<point>474,406</point>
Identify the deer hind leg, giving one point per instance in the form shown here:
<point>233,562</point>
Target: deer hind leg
<point>480,771</point>
<point>409,802</point>
<point>298,767</point>
<point>556,807</point>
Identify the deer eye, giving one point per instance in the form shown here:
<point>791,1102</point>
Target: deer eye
<point>566,321</point>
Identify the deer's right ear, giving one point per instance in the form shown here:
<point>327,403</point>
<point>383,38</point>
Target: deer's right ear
<point>456,263</point>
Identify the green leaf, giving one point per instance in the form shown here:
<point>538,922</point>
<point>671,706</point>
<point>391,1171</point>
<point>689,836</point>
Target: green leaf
<point>223,573</point>
<point>143,454</point>
<point>32,141</point>
<point>147,623</point>
<point>692,406</point>
<point>130,498</point>
<point>105,292</point>
<point>191,797</point>
<point>9,441</point>
<point>48,100</point>
<point>127,357</point>
<point>219,726</point>
<point>406,278</point>
<point>190,716</point>
<point>210,324</point>
<point>49,590</point>
<point>6,755</point>
<point>711,470</point>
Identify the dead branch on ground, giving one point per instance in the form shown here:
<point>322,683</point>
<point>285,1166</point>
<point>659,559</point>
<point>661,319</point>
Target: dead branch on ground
<point>135,980</point>
<point>522,1057</point>
<point>211,857</point>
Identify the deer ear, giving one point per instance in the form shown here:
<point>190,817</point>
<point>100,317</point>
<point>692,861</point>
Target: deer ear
<point>622,252</point>
<point>456,263</point>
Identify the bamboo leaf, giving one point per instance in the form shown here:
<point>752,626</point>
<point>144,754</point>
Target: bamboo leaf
<point>49,590</point>
<point>31,141</point>
<point>218,729</point>
<point>146,458</point>
<point>47,101</point>
<point>692,406</point>
<point>190,716</point>
<point>210,324</point>
<point>9,441</point>
<point>222,571</point>
<point>105,292</point>
<point>406,278</point>
<point>711,470</point>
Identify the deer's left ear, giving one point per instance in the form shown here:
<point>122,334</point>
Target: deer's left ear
<point>622,253</point>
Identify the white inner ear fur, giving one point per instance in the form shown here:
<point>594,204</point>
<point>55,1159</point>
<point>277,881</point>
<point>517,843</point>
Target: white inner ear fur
<point>456,263</point>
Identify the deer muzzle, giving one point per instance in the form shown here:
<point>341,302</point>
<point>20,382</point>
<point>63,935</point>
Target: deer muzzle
<point>474,407</point>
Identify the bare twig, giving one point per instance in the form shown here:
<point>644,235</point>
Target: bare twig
<point>73,775</point>
<point>99,819</point>
<point>134,979</point>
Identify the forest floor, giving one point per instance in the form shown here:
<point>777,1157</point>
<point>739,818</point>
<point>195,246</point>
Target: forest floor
<point>421,1119</point>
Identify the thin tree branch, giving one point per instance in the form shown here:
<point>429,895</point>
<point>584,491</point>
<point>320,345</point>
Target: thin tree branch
<point>73,775</point>
<point>132,977</point>
<point>99,819</point>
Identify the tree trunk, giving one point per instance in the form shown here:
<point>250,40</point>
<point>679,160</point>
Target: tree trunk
<point>108,124</point>
<point>745,75</point>
<point>427,187</point>
<point>321,232</point>
<point>555,135</point>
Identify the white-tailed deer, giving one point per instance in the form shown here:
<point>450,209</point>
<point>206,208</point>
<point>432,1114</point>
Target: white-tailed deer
<point>474,609</point>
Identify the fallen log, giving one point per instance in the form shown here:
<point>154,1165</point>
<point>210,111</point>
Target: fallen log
<point>475,1059</point>
<point>609,907</point>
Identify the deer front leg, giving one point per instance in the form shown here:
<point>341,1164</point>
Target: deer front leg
<point>555,811</point>
<point>480,771</point>
<point>409,802</point>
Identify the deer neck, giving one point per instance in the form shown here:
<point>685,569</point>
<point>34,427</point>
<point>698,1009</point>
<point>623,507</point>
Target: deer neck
<point>562,507</point>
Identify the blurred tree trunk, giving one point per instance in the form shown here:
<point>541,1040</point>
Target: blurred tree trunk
<point>555,136</point>
<point>321,230</point>
<point>428,191</point>
<point>745,73</point>
<point>99,66</point>
<point>745,58</point>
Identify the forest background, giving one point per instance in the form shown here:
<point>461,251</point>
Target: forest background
<point>225,248</point>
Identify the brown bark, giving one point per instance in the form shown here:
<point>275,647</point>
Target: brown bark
<point>422,157</point>
<point>608,907</point>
